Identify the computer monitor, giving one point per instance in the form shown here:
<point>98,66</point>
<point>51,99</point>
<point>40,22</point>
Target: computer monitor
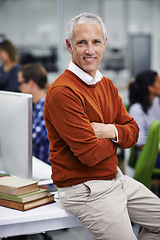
<point>16,134</point>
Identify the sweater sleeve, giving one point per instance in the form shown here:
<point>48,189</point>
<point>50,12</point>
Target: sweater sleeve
<point>127,127</point>
<point>66,113</point>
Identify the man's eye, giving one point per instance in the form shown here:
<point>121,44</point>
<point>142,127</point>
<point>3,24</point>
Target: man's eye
<point>97,42</point>
<point>81,43</point>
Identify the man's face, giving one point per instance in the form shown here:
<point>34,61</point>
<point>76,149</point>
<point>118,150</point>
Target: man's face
<point>3,55</point>
<point>23,86</point>
<point>87,47</point>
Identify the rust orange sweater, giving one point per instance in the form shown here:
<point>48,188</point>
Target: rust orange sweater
<point>76,154</point>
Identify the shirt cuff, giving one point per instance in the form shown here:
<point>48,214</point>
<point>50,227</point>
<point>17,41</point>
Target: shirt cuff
<point>116,141</point>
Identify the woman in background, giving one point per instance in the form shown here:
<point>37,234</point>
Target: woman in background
<point>142,93</point>
<point>10,66</point>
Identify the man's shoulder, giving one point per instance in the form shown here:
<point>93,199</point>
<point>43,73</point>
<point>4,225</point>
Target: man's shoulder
<point>65,82</point>
<point>108,85</point>
<point>106,80</point>
<point>65,79</point>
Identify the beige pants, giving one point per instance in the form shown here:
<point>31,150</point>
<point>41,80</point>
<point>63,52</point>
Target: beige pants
<point>107,207</point>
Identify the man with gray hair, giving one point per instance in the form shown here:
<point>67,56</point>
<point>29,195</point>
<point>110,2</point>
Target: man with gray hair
<point>86,121</point>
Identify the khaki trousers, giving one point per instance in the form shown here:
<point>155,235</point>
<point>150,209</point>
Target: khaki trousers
<point>107,208</point>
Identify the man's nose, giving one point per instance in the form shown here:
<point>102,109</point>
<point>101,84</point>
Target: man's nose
<point>90,49</point>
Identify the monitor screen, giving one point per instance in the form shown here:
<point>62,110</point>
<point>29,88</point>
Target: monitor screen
<point>16,134</point>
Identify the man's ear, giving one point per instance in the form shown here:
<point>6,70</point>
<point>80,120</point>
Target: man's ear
<point>150,89</point>
<point>69,47</point>
<point>32,83</point>
<point>105,42</point>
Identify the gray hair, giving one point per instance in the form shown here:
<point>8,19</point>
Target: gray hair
<point>81,19</point>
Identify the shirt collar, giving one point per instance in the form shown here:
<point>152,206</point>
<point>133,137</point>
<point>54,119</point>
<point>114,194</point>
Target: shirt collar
<point>83,75</point>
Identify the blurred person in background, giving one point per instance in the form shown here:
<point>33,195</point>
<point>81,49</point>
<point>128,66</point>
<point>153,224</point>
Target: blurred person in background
<point>10,66</point>
<point>142,93</point>
<point>32,79</point>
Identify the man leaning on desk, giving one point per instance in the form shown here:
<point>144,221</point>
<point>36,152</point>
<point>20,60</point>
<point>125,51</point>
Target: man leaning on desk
<point>86,122</point>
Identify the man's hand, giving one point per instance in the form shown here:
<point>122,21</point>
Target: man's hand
<point>104,130</point>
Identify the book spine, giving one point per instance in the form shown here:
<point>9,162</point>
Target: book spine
<point>10,197</point>
<point>40,193</point>
<point>8,190</point>
<point>28,205</point>
<point>10,204</point>
<point>19,191</point>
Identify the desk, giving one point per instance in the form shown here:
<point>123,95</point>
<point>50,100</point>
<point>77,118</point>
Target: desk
<point>45,218</point>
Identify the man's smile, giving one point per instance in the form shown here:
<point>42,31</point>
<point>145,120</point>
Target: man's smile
<point>89,59</point>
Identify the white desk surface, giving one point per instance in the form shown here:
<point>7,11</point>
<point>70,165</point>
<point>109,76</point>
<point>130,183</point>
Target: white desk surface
<point>45,218</point>
<point>41,219</point>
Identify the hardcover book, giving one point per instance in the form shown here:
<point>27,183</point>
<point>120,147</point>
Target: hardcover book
<point>28,205</point>
<point>17,186</point>
<point>25,197</point>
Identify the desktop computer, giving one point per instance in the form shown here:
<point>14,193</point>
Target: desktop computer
<point>16,134</point>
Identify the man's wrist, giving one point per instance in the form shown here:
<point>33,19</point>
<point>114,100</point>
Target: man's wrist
<point>116,135</point>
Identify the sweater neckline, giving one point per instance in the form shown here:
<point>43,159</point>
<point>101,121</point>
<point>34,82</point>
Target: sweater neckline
<point>80,80</point>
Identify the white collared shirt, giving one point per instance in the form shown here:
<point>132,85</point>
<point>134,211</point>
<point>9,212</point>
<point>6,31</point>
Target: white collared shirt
<point>88,80</point>
<point>85,76</point>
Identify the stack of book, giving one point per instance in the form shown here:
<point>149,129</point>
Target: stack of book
<point>22,194</point>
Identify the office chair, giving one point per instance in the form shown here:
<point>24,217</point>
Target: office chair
<point>144,164</point>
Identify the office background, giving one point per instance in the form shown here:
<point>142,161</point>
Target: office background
<point>37,28</point>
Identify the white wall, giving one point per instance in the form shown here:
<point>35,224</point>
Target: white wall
<point>35,22</point>
<point>31,22</point>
